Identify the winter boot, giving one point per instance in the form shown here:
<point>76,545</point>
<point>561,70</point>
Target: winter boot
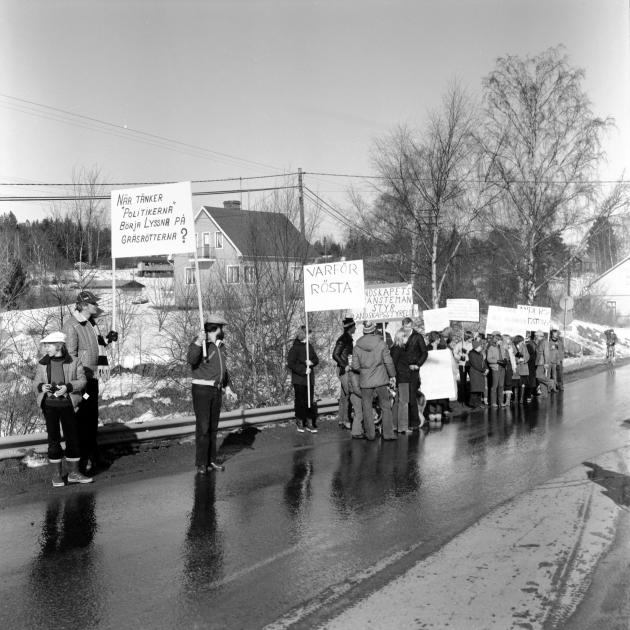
<point>74,476</point>
<point>57,479</point>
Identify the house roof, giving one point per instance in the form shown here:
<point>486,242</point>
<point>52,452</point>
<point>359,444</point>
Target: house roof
<point>603,275</point>
<point>261,234</point>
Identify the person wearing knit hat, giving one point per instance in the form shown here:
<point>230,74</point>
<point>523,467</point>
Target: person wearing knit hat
<point>342,354</point>
<point>59,382</point>
<point>372,360</point>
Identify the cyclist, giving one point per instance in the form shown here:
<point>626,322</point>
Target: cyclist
<point>611,340</point>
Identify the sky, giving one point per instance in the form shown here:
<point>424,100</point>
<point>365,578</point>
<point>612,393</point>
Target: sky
<point>176,90</point>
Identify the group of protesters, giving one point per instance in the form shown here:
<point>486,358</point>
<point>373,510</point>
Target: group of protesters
<point>379,376</point>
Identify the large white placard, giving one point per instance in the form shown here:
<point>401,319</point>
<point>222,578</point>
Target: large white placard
<point>437,379</point>
<point>538,317</point>
<point>386,301</point>
<point>436,319</point>
<point>152,220</point>
<point>334,286</point>
<point>508,321</point>
<point>463,310</point>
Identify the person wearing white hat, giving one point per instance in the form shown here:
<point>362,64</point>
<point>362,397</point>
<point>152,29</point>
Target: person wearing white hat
<point>59,382</point>
<point>210,378</point>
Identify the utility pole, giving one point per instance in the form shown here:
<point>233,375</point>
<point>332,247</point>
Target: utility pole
<point>301,202</point>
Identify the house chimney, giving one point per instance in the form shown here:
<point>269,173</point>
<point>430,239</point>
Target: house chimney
<point>232,205</point>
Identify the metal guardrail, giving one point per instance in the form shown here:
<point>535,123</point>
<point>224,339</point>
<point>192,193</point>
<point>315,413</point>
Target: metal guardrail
<point>161,429</point>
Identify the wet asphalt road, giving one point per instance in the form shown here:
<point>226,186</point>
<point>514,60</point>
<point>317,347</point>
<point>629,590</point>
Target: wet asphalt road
<point>299,526</point>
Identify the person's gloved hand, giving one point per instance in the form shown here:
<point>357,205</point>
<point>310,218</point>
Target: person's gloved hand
<point>112,335</point>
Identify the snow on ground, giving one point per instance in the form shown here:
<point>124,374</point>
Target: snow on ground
<point>151,335</point>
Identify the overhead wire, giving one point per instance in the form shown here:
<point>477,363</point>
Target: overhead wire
<point>90,122</point>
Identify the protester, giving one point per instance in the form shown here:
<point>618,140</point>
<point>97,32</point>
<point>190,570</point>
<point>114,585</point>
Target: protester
<point>544,381</point>
<point>417,349</point>
<point>477,370</point>
<point>521,355</point>
<point>530,390</point>
<point>356,402</point>
<point>371,358</point>
<point>437,409</point>
<point>210,377</point>
<point>342,354</point>
<point>556,358</point>
<point>460,351</point>
<point>400,357</point>
<point>511,379</point>
<point>496,364</point>
<point>301,374</point>
<point>85,342</point>
<point>59,382</point>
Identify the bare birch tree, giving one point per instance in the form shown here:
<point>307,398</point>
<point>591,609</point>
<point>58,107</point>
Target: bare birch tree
<point>539,117</point>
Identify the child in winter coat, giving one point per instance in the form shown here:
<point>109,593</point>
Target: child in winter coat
<point>59,383</point>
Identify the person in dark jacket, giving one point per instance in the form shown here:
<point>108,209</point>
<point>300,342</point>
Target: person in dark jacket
<point>530,390</point>
<point>400,358</point>
<point>210,377</point>
<point>301,370</point>
<point>372,360</point>
<point>342,354</point>
<point>59,382</point>
<point>477,370</point>
<point>418,353</point>
<point>86,343</point>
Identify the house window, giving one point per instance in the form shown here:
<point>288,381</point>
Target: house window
<point>218,240</point>
<point>206,245</point>
<point>196,240</point>
<point>233,276</point>
<point>249,275</point>
<point>190,275</point>
<point>297,273</point>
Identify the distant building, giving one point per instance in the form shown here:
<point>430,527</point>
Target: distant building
<point>613,288</point>
<point>234,246</point>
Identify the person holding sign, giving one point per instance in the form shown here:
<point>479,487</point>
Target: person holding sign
<point>301,370</point>
<point>209,377</point>
<point>376,371</point>
<point>85,342</point>
<point>341,355</point>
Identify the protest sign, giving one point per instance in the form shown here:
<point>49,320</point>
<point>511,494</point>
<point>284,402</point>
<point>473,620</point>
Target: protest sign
<point>436,376</point>
<point>385,302</point>
<point>152,220</point>
<point>436,319</point>
<point>334,286</point>
<point>538,317</point>
<point>508,321</point>
<point>463,310</point>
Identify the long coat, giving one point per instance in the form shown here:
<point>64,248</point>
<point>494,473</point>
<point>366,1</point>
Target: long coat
<point>476,371</point>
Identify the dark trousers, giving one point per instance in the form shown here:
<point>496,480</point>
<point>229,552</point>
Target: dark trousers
<point>414,385</point>
<point>302,411</point>
<point>207,406</point>
<point>463,386</point>
<point>64,416</point>
<point>87,419</point>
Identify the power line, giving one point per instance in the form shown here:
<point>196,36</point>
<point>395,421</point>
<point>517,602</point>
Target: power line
<point>475,181</point>
<point>120,130</point>
<point>107,197</point>
<point>153,183</point>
